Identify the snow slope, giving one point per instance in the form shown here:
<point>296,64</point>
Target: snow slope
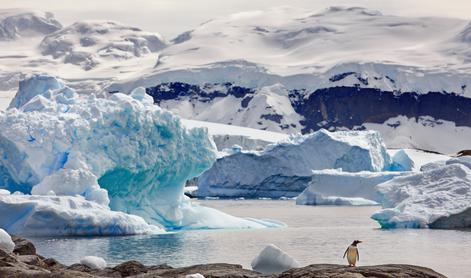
<point>307,50</point>
<point>226,136</point>
<point>87,43</point>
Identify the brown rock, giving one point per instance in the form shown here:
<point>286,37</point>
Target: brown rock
<point>379,271</point>
<point>464,153</point>
<point>32,260</point>
<point>12,265</point>
<point>130,268</point>
<point>219,270</point>
<point>23,246</point>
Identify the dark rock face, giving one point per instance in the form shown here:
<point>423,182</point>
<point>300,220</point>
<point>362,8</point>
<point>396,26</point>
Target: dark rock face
<point>380,271</point>
<point>350,107</point>
<point>33,265</point>
<point>177,90</point>
<point>464,153</point>
<point>335,106</point>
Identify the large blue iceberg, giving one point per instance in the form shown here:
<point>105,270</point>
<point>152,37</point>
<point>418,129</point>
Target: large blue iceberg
<point>284,169</point>
<point>122,151</point>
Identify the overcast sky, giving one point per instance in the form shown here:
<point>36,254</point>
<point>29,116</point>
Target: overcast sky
<point>171,17</point>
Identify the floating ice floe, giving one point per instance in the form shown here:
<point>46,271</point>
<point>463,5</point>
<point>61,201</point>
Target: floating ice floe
<point>122,151</point>
<point>438,197</point>
<point>273,260</point>
<point>284,169</point>
<point>335,187</point>
<point>316,199</point>
<point>37,215</point>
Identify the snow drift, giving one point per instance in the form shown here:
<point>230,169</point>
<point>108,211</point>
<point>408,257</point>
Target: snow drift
<point>123,151</point>
<point>438,197</point>
<point>284,169</point>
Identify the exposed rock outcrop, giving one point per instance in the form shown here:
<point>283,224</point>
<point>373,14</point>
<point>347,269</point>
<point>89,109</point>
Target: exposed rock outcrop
<point>23,263</point>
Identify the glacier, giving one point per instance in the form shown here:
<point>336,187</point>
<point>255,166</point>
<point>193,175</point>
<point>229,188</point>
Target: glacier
<point>437,197</point>
<point>335,187</point>
<point>121,151</point>
<point>284,169</point>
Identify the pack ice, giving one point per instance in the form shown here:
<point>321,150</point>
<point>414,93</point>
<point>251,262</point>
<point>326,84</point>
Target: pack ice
<point>437,197</point>
<point>284,169</point>
<point>122,152</point>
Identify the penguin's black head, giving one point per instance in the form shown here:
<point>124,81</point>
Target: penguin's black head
<point>355,242</point>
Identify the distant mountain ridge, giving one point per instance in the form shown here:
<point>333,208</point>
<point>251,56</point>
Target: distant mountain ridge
<point>284,69</point>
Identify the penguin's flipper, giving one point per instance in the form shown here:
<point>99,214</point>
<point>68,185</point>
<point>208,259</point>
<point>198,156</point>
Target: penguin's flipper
<point>358,255</point>
<point>345,253</point>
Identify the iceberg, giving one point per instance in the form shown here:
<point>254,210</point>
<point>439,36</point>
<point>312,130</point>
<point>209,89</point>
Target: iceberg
<point>273,260</point>
<point>34,85</point>
<point>38,215</point>
<point>284,169</point>
<point>6,243</point>
<point>316,199</point>
<point>439,197</point>
<point>335,187</point>
<point>121,151</point>
<point>93,262</point>
<point>401,162</point>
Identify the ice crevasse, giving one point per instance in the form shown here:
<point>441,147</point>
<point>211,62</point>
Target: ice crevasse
<point>121,152</point>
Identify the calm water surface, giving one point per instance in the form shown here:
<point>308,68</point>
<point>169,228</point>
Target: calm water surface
<point>313,235</point>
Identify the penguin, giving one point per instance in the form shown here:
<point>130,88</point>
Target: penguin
<point>352,253</point>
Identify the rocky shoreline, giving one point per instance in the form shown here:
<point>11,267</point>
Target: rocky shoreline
<point>25,262</point>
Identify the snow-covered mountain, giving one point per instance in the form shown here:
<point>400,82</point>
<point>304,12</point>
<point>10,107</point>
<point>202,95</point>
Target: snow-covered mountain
<point>17,23</point>
<point>290,70</point>
<point>284,69</point>
<point>86,43</point>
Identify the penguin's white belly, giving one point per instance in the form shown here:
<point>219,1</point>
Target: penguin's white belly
<point>352,255</point>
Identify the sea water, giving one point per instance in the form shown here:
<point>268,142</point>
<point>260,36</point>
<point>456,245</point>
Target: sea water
<point>313,235</point>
